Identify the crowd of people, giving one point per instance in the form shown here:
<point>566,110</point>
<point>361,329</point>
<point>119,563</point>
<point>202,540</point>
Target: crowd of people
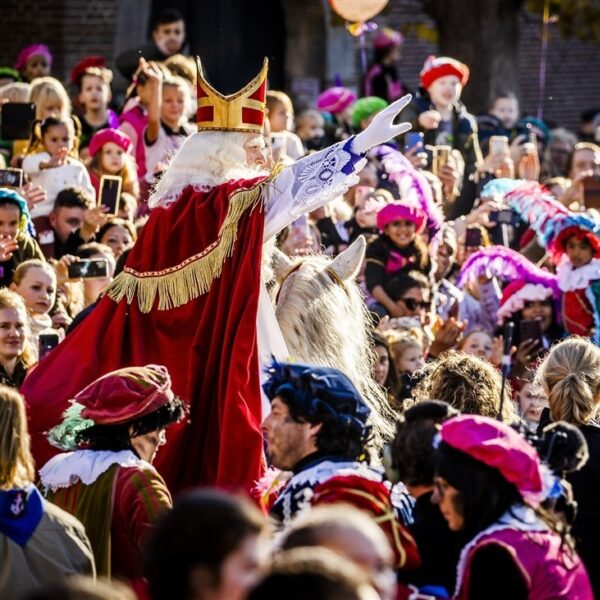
<point>478,244</point>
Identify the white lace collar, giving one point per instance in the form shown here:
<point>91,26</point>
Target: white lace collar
<point>577,279</point>
<point>518,516</point>
<point>65,470</point>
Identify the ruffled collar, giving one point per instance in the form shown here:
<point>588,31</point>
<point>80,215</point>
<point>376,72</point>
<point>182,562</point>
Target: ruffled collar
<point>67,469</point>
<point>576,279</point>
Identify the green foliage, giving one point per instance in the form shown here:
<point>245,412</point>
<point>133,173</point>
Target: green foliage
<point>576,18</point>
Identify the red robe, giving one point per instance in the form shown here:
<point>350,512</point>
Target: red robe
<point>208,343</point>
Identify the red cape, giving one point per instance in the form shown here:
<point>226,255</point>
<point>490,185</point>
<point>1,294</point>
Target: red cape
<point>208,344</point>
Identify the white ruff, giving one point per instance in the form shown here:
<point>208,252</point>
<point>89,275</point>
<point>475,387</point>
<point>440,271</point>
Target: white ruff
<point>577,279</point>
<point>65,470</point>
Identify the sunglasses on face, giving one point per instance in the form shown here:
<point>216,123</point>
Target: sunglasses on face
<point>412,304</point>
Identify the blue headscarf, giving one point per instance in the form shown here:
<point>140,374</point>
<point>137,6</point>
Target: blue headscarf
<point>315,390</point>
<point>25,224</point>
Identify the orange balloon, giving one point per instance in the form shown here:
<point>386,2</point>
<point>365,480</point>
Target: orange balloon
<point>358,10</point>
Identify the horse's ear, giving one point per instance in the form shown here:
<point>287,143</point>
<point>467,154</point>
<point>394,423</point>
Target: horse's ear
<point>281,264</point>
<point>347,263</point>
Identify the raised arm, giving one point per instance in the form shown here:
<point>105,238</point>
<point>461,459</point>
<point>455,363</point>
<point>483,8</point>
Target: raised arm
<point>319,178</point>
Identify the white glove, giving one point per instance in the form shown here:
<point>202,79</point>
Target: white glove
<point>382,129</point>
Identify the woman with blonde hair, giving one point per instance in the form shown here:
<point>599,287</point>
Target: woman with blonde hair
<point>570,376</point>
<point>39,543</point>
<point>16,353</point>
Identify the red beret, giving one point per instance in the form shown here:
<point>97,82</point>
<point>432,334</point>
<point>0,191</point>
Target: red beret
<point>434,68</point>
<point>126,394</point>
<point>401,211</point>
<point>499,446</point>
<point>88,62</point>
<point>116,136</point>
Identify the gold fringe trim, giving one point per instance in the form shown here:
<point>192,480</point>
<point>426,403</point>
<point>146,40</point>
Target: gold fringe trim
<point>193,277</point>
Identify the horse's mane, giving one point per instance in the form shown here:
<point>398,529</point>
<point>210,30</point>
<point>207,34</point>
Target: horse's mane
<point>327,324</point>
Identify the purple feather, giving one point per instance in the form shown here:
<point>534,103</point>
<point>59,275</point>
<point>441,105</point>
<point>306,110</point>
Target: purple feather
<point>506,265</point>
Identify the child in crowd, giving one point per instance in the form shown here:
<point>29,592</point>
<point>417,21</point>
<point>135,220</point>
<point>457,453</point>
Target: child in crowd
<point>408,355</point>
<point>34,61</point>
<point>35,282</point>
<point>478,343</point>
<point>117,234</point>
<point>364,109</point>
<point>110,151</point>
<point>167,120</point>
<point>16,352</point>
<point>92,80</point>
<point>437,110</point>
<point>16,235</point>
<point>398,248</point>
<point>501,119</point>
<point>281,118</point>
<point>382,78</point>
<point>134,118</point>
<point>8,75</point>
<point>310,128</point>
<point>50,99</point>
<point>52,163</point>
<point>336,103</point>
<point>531,400</point>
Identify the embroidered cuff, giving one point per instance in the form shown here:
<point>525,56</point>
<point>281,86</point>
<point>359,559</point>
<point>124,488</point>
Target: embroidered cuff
<point>348,147</point>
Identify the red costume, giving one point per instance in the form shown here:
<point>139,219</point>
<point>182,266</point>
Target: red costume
<point>189,298</point>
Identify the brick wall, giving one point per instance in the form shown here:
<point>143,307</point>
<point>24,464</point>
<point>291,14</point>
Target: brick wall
<point>72,29</point>
<point>572,67</point>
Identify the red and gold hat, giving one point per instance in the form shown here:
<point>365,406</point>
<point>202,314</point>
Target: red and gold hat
<point>243,111</point>
<point>126,394</point>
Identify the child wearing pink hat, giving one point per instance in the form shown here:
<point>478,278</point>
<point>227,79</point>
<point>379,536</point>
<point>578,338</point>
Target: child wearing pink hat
<point>111,150</point>
<point>398,248</point>
<point>336,104</point>
<point>382,78</point>
<point>34,61</point>
<point>438,112</point>
<point>489,486</point>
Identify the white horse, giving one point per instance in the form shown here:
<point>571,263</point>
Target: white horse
<point>322,315</point>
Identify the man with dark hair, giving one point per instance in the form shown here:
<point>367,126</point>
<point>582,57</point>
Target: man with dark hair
<point>317,429</point>
<point>168,38</point>
<point>74,220</point>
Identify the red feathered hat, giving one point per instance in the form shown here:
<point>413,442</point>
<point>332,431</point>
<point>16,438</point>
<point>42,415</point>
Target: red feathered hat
<point>373,497</point>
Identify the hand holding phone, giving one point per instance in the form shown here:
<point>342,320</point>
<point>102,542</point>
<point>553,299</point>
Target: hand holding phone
<point>591,192</point>
<point>11,178</point>
<point>110,192</point>
<point>473,237</point>
<point>47,342</point>
<point>531,330</point>
<point>17,120</point>
<point>88,268</point>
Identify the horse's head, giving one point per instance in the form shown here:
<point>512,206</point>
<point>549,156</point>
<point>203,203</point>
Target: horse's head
<point>341,269</point>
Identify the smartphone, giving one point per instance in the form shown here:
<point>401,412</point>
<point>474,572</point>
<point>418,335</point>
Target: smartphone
<point>110,192</point>
<point>11,178</point>
<point>505,217</point>
<point>591,192</point>
<point>441,155</point>
<point>498,145</point>
<point>46,343</point>
<point>17,120</point>
<point>473,237</point>
<point>531,329</point>
<point>89,267</point>
<point>414,138</point>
